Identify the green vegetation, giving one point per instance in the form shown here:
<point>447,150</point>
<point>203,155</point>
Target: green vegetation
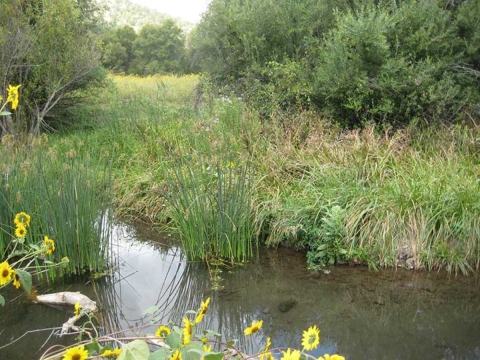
<point>212,209</point>
<point>405,198</point>
<point>157,49</point>
<point>351,127</point>
<point>176,342</point>
<point>355,62</point>
<point>346,129</point>
<point>62,194</point>
<point>49,47</point>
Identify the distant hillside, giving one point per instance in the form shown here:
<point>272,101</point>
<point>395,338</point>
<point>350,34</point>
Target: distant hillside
<point>124,12</point>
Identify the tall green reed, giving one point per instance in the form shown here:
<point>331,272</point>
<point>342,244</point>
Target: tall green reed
<point>212,209</point>
<point>67,200</point>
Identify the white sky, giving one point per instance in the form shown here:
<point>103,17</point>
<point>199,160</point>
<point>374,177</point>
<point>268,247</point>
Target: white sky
<point>189,10</point>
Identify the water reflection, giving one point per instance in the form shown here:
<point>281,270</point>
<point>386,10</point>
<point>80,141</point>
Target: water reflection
<point>361,314</point>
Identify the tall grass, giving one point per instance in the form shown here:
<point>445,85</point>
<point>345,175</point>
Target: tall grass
<point>409,200</point>
<point>406,198</point>
<point>68,201</point>
<point>212,210</point>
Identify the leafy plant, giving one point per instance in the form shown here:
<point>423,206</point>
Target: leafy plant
<point>22,258</point>
<point>176,342</point>
<point>330,244</point>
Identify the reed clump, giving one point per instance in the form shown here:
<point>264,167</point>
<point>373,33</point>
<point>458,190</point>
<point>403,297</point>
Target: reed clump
<point>67,198</point>
<point>212,209</point>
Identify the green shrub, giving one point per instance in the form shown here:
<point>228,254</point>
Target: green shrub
<point>392,66</point>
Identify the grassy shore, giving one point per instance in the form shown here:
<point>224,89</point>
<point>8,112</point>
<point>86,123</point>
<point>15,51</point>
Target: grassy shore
<point>406,198</point>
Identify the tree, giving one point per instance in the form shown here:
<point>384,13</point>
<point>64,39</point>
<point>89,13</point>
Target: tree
<point>159,49</point>
<point>117,48</point>
<point>355,61</point>
<point>49,48</point>
<point>126,35</point>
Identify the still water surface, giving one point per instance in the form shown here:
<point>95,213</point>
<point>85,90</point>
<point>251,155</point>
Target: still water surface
<point>362,314</point>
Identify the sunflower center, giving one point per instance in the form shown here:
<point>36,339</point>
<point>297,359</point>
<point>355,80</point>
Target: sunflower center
<point>76,357</point>
<point>5,273</point>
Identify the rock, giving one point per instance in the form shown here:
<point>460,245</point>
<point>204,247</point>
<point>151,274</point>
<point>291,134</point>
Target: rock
<point>369,286</point>
<point>287,305</point>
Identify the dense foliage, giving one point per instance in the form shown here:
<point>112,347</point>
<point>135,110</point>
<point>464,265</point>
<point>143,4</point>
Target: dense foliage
<point>157,49</point>
<point>49,48</point>
<point>355,61</point>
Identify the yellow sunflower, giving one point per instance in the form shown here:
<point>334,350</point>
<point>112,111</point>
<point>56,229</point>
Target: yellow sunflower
<point>311,338</point>
<point>20,231</point>
<point>267,355</point>
<point>331,357</point>
<point>202,311</point>
<point>256,325</point>
<point>291,355</point>
<point>16,279</point>
<point>49,244</point>
<point>6,273</point>
<point>76,309</point>
<point>177,355</point>
<point>162,331</point>
<point>22,218</point>
<point>207,348</point>
<point>108,353</point>
<point>187,330</point>
<point>12,95</point>
<point>75,353</point>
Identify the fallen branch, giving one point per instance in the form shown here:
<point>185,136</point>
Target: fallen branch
<point>68,298</point>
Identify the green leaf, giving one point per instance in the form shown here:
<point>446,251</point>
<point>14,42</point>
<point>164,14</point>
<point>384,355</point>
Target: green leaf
<point>135,350</point>
<point>155,319</point>
<point>173,339</point>
<point>25,279</point>
<point>150,310</point>
<point>2,300</point>
<point>210,333</point>
<point>231,343</point>
<point>198,351</point>
<point>190,312</point>
<point>191,352</point>
<point>214,356</point>
<point>188,354</point>
<point>160,354</point>
<point>93,348</point>
<point>3,113</point>
<point>18,252</point>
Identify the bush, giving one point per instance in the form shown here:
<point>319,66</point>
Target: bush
<point>364,62</point>
<point>392,66</point>
<point>50,48</point>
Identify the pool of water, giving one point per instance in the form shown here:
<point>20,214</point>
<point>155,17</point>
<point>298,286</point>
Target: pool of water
<point>362,314</point>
